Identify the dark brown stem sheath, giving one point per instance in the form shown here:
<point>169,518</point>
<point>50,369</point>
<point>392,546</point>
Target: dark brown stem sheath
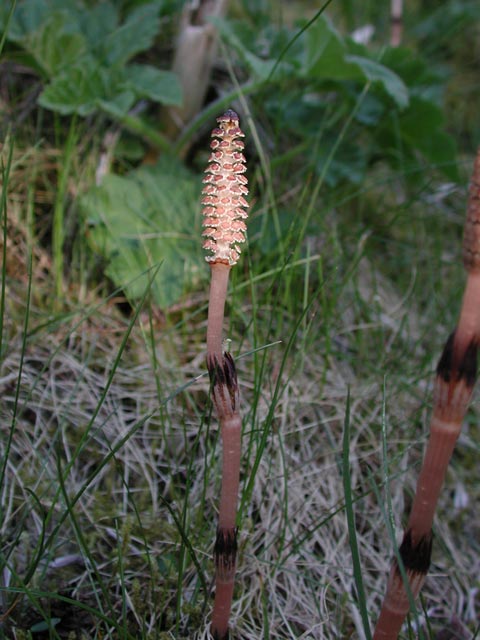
<point>455,379</point>
<point>226,398</point>
<point>225,395</point>
<point>416,560</point>
<point>453,389</point>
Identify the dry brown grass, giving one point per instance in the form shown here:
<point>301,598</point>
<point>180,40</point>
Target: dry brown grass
<point>72,400</point>
<point>295,576</point>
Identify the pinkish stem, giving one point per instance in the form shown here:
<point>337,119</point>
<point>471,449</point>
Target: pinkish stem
<point>222,608</point>
<point>453,388</point>
<point>216,308</point>
<point>226,398</point>
<point>396,604</point>
<point>430,481</point>
<point>226,539</point>
<point>224,230</point>
<point>456,374</point>
<point>231,441</point>
<point>469,322</point>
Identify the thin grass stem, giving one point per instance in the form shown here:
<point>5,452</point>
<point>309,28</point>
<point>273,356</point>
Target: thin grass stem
<point>7,24</point>
<point>16,403</point>
<point>58,227</point>
<point>352,533</point>
<point>5,170</point>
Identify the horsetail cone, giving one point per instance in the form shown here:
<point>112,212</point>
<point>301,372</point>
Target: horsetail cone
<point>468,328</point>
<point>225,208</point>
<point>471,236</point>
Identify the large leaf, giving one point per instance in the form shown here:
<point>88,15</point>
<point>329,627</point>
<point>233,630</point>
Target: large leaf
<point>83,52</point>
<point>145,219</point>
<point>80,88</point>
<point>412,68</point>
<point>260,68</point>
<point>325,52</point>
<point>29,15</point>
<point>97,23</point>
<point>375,72</point>
<point>88,86</point>
<point>136,34</point>
<point>149,82</point>
<point>421,127</point>
<point>53,45</point>
<point>328,56</point>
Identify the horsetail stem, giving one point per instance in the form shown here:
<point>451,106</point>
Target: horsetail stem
<point>225,211</point>
<point>454,382</point>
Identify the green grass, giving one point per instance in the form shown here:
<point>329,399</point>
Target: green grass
<point>115,448</point>
<point>109,474</point>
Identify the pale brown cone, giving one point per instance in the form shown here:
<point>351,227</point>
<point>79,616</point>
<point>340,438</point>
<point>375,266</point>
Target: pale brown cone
<point>471,235</point>
<point>225,207</point>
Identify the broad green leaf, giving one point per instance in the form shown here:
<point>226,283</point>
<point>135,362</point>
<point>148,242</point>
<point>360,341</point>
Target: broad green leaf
<point>87,86</point>
<point>421,127</point>
<point>97,23</point>
<point>147,218</point>
<point>410,66</point>
<point>29,15</point>
<point>375,72</point>
<point>261,69</point>
<point>422,79</point>
<point>119,105</point>
<point>136,34</point>
<point>325,52</point>
<point>53,45</point>
<point>148,82</point>
<point>328,56</point>
<point>78,89</point>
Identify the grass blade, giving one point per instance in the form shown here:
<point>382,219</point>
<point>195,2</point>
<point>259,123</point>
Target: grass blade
<point>352,535</point>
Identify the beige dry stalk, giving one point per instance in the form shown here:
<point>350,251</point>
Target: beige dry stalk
<point>195,50</point>
<point>396,20</point>
<point>224,230</point>
<point>455,379</point>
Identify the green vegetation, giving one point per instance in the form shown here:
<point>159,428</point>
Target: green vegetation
<point>358,155</point>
